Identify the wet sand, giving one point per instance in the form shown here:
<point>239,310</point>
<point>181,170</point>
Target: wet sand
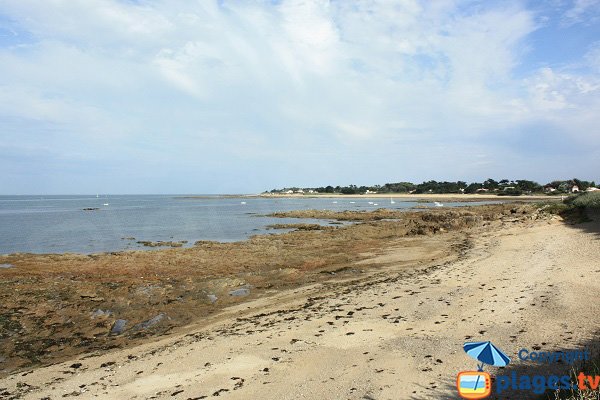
<point>386,320</point>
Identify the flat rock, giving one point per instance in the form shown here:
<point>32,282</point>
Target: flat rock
<point>149,323</point>
<point>101,313</point>
<point>118,327</point>
<point>240,292</point>
<point>212,298</point>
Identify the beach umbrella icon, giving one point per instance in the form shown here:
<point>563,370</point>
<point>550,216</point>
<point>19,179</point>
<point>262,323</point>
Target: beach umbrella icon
<point>486,353</point>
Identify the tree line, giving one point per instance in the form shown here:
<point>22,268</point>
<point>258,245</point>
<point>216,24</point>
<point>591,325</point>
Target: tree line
<point>501,187</point>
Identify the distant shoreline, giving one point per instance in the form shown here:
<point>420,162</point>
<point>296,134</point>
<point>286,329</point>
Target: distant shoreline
<point>416,197</point>
<point>217,196</point>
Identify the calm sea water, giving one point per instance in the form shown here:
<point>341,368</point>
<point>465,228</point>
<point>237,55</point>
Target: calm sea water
<point>58,224</point>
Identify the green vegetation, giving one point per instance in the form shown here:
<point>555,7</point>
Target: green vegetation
<point>588,200</point>
<point>573,208</point>
<point>504,187</point>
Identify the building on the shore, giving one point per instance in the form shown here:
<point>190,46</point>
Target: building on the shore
<point>575,189</point>
<point>592,189</point>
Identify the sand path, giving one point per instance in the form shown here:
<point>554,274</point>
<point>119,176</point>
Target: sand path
<point>396,334</point>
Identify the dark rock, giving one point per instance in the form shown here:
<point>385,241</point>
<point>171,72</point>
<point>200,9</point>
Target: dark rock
<point>107,364</point>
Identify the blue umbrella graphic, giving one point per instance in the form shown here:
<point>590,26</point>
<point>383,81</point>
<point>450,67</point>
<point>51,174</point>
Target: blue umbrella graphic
<point>486,353</point>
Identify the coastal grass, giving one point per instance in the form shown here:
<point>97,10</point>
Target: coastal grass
<point>590,367</point>
<point>573,209</point>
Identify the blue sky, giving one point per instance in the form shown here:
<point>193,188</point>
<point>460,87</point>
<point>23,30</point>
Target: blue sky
<point>178,96</point>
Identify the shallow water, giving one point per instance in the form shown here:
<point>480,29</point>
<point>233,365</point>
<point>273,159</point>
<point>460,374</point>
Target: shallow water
<point>59,224</point>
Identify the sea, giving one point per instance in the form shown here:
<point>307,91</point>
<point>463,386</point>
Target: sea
<point>60,224</point>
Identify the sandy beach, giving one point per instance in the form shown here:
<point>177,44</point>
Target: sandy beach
<point>388,324</point>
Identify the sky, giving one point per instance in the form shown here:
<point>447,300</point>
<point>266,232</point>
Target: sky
<point>190,96</point>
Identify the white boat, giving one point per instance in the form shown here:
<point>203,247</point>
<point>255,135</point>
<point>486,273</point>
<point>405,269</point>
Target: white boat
<point>392,201</point>
<point>438,204</point>
<point>371,202</point>
<point>105,204</point>
<point>243,202</point>
<point>335,202</point>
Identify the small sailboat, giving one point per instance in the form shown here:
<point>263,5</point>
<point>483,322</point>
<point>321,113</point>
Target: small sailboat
<point>392,201</point>
<point>438,204</point>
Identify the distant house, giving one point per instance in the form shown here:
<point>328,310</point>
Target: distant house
<point>549,189</point>
<point>592,189</point>
<point>508,188</point>
<point>311,191</point>
<point>370,191</point>
<point>575,189</point>
<point>289,191</point>
<point>482,190</point>
<point>299,191</point>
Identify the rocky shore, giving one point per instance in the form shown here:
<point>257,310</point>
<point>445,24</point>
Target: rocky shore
<point>56,306</point>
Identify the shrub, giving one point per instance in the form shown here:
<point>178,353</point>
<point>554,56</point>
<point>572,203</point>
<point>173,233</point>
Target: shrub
<point>511,192</point>
<point>589,200</point>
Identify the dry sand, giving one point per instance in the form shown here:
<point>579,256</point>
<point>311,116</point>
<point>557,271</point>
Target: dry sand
<point>395,332</point>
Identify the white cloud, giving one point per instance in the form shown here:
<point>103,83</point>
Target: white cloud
<point>592,57</point>
<point>582,11</point>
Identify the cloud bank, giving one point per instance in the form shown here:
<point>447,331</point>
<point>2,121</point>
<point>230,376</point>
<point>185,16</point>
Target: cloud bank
<point>232,96</point>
